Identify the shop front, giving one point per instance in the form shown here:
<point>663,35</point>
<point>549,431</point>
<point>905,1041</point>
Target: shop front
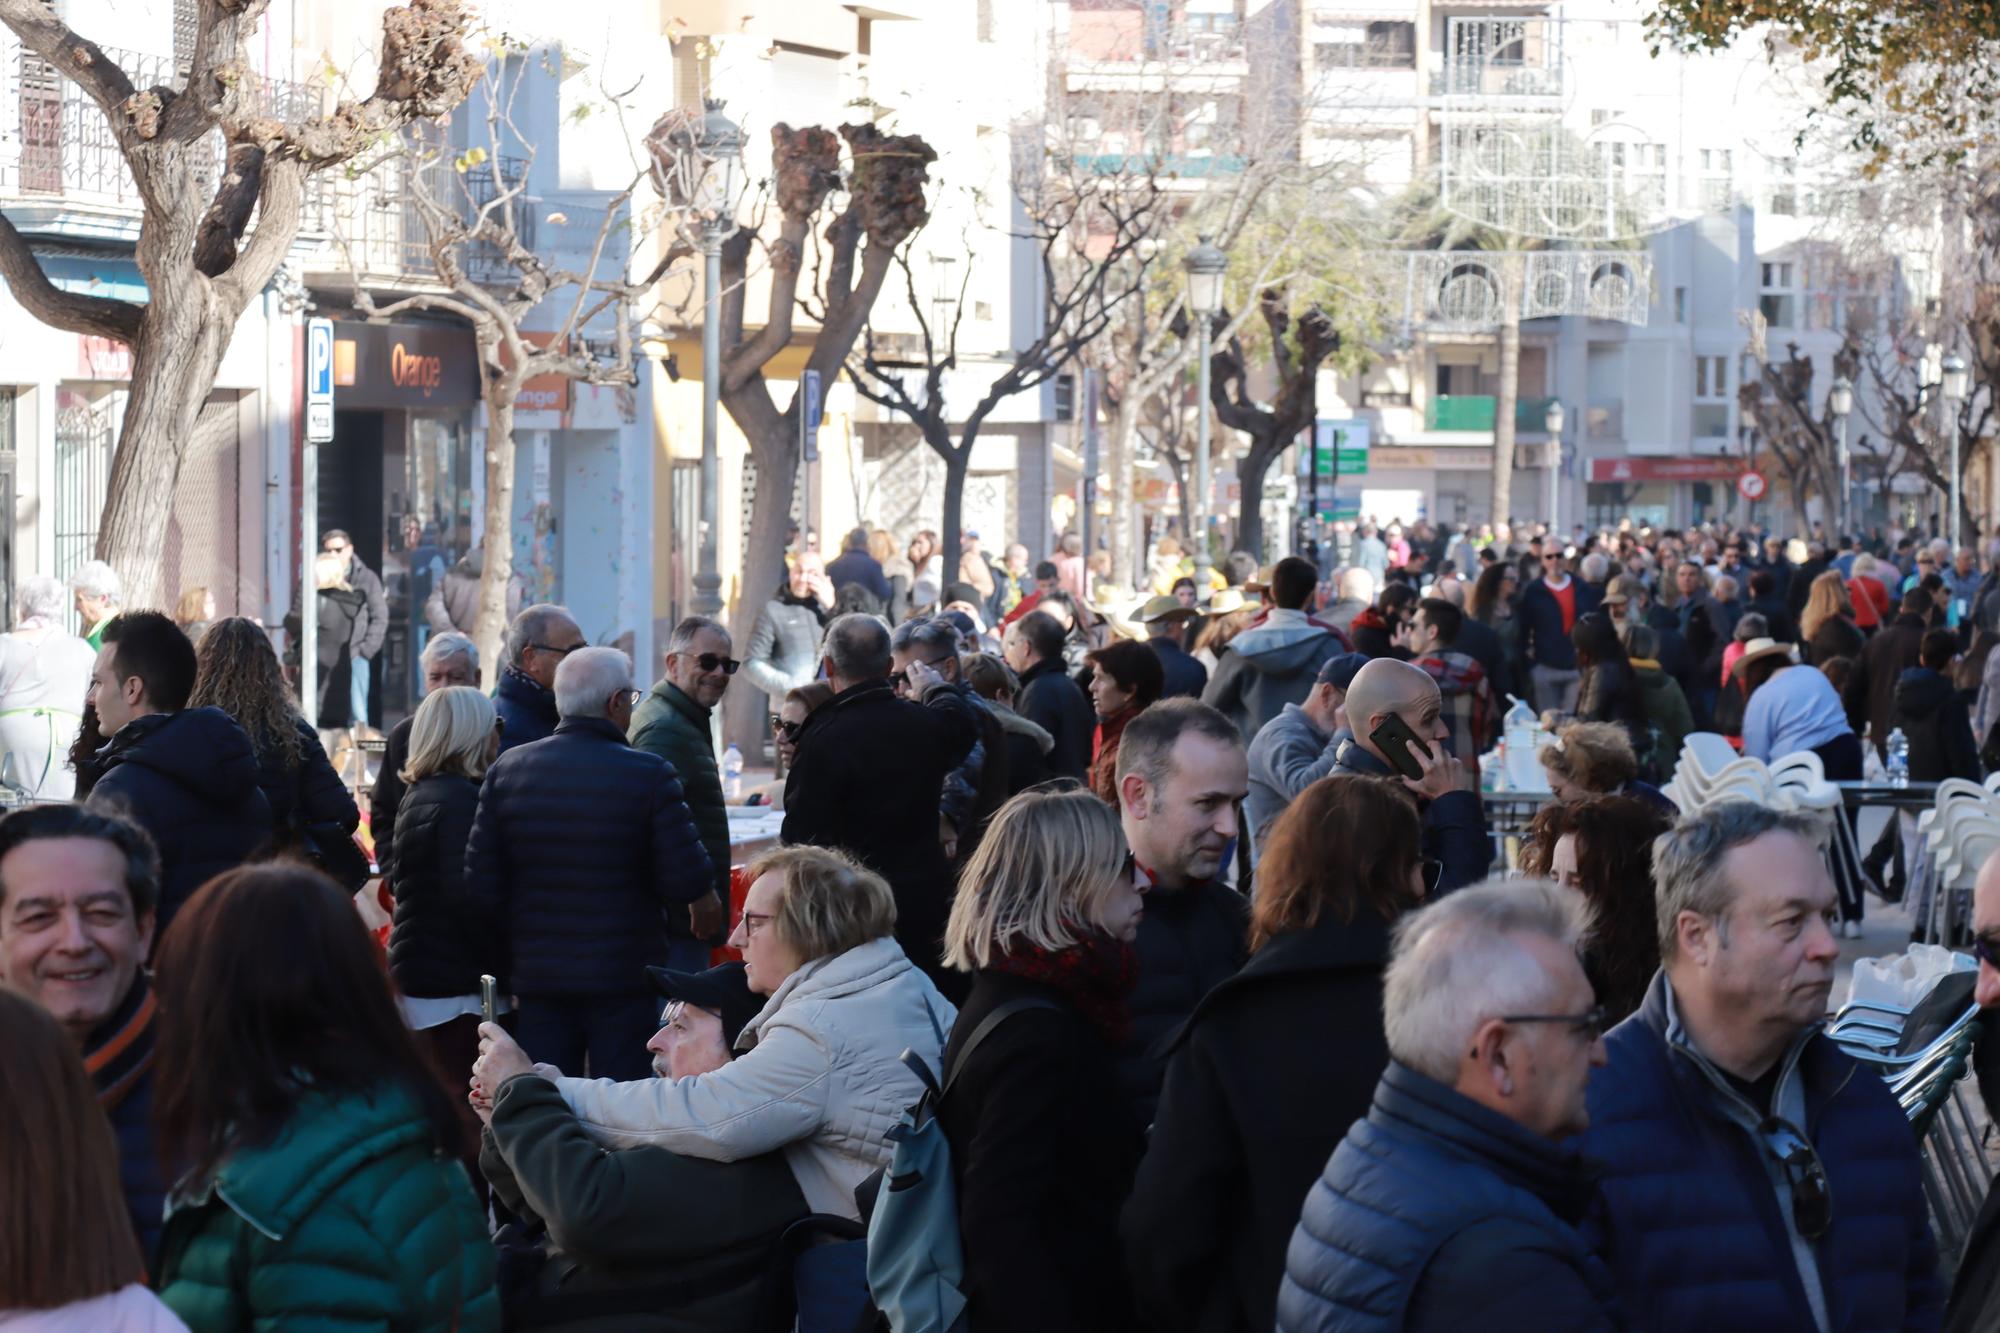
<point>401,478</point>
<point>1656,492</point>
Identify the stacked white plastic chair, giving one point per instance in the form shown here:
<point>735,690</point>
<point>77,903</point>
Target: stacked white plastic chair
<point>1953,839</point>
<point>1710,771</point>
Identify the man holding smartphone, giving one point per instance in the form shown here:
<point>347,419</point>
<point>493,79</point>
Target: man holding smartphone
<point>1397,715</point>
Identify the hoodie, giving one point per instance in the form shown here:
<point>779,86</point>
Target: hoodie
<point>1666,709</point>
<point>1269,666</point>
<point>1934,720</point>
<point>190,779</point>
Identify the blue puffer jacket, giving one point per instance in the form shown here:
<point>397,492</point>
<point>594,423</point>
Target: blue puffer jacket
<point>580,844</point>
<point>1690,1221</point>
<point>1436,1213</point>
<point>527,710</point>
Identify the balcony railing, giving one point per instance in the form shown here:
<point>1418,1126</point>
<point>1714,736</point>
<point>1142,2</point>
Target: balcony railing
<point>376,226</point>
<point>1478,411</point>
<point>59,146</point>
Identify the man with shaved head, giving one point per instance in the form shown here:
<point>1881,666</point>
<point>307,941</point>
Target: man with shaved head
<point>1454,822</point>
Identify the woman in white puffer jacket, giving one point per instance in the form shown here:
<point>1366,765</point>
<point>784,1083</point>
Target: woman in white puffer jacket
<point>820,1073</point>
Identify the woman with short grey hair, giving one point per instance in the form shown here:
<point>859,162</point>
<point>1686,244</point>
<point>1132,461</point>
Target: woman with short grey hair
<point>44,672</point>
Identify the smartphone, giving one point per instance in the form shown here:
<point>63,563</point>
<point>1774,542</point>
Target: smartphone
<point>1400,745</point>
<point>489,997</point>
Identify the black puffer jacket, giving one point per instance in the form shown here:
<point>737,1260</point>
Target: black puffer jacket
<point>580,845</point>
<point>441,941</point>
<point>309,796</point>
<point>1190,941</point>
<point>190,780</point>
<point>1934,720</point>
<point>1052,701</point>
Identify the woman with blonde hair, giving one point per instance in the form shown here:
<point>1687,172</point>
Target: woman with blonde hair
<point>1588,759</point>
<point>442,941</point>
<point>69,1262</point>
<point>1044,1144</point>
<point>1828,621</point>
<point>820,1073</point>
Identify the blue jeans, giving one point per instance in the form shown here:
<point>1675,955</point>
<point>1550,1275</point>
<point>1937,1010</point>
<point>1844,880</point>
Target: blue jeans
<point>610,1032</point>
<point>357,694</point>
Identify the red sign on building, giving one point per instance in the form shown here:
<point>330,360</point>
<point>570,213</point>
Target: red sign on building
<point>1665,469</point>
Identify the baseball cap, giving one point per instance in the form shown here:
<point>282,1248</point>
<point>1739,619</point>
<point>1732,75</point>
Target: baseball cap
<point>1340,671</point>
<point>723,990</point>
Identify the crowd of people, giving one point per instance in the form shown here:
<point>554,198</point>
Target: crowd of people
<point>1165,920</point>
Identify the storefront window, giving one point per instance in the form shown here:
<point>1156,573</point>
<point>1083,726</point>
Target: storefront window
<point>1647,505</point>
<point>427,530</point>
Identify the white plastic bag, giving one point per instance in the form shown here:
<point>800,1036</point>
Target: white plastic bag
<point>1903,979</point>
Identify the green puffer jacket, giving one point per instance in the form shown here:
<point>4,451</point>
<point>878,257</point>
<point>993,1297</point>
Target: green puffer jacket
<point>674,727</point>
<point>349,1219</point>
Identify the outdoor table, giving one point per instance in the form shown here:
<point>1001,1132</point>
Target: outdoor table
<point>1508,814</point>
<point>1856,795</point>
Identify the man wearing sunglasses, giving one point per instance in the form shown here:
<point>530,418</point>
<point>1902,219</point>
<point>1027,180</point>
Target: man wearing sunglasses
<point>537,642</point>
<point>1755,1178</point>
<point>674,721</point>
<point>1454,1204</point>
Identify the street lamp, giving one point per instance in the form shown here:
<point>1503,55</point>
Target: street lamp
<point>1205,266</point>
<point>1952,386</point>
<point>1840,401</point>
<point>1552,422</point>
<point>697,169</point>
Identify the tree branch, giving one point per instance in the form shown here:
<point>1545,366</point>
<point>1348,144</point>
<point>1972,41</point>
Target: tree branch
<point>98,316</point>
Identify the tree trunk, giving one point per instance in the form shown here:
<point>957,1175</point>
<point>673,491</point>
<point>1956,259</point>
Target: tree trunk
<point>957,463</point>
<point>489,627</point>
<point>1250,472</point>
<point>174,364</point>
<point>1510,387</point>
<point>777,457</point>
<point>1117,543</point>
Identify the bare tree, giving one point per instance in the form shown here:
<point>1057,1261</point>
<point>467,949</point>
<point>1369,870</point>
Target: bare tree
<point>478,226</point>
<point>1799,437</point>
<point>202,261</point>
<point>1272,427</point>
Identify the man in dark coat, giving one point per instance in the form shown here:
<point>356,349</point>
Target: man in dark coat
<point>448,659</point>
<point>77,895</point>
<point>1033,647</point>
<point>1549,608</point>
<point>581,847</point>
<point>1166,620</point>
<point>674,721</point>
<point>373,626</point>
<point>1754,1177</point>
<point>855,565</point>
<point>1932,715</point>
<point>1870,693</point>
<point>188,776</point>
<point>1455,1204</point>
<point>1453,820</point>
<point>537,642</point>
<point>870,772</point>
<point>1181,776</point>
<point>981,783</point>
<point>1768,602</point>
<point>624,1259</point>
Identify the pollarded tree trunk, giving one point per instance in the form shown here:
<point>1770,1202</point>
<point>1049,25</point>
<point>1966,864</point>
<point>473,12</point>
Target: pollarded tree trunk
<point>1250,513</point>
<point>957,463</point>
<point>489,628</point>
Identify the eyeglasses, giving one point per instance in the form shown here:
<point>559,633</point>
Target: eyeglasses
<point>1812,1195</point>
<point>559,652</point>
<point>901,679</point>
<point>752,922</point>
<point>711,662</point>
<point>1433,876</point>
<point>1589,1025</point>
<point>631,697</point>
<point>789,730</point>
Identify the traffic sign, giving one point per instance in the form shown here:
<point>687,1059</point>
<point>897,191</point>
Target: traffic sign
<point>319,381</point>
<point>809,415</point>
<point>1751,486</point>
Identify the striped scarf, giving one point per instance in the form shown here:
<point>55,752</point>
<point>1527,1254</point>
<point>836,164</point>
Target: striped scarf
<point>121,1050</point>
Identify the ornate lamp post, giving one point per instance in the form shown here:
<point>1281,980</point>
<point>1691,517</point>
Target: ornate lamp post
<point>1840,401</point>
<point>1552,421</point>
<point>1952,388</point>
<point>1205,265</point>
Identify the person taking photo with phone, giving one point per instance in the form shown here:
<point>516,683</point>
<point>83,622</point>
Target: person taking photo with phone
<point>1397,714</point>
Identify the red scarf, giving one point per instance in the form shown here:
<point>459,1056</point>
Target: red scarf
<point>1096,974</point>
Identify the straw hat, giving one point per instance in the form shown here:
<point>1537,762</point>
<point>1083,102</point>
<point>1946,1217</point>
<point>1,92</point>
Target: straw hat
<point>1225,601</point>
<point>1164,609</point>
<point>1757,649</point>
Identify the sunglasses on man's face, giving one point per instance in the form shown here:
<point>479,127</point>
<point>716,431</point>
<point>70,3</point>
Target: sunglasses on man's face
<point>711,662</point>
<point>789,730</point>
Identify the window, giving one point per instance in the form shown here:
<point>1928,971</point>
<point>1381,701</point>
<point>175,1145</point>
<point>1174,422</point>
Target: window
<point>1784,192</point>
<point>1383,45</point>
<point>1778,305</point>
<point>1710,419</point>
<point>1065,397</point>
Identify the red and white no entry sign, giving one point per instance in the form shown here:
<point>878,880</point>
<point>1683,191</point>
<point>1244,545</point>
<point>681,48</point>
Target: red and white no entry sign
<point>1751,486</point>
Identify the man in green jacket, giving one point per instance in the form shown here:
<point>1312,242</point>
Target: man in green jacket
<point>673,722</point>
<point>643,1238</point>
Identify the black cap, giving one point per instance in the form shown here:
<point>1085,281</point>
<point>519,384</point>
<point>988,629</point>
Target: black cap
<point>723,990</point>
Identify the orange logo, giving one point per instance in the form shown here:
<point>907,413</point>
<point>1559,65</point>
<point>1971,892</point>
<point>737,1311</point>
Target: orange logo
<point>408,370</point>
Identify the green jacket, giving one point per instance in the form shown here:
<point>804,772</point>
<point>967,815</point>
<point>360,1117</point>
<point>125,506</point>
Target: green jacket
<point>1667,713</point>
<point>350,1219</point>
<point>643,1238</point>
<point>674,727</point>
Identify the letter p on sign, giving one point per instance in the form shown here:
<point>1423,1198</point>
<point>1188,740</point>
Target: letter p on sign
<point>319,381</point>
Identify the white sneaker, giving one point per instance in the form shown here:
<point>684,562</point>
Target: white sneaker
<point>1852,929</point>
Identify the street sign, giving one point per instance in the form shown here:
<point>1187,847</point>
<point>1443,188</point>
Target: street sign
<point>1751,486</point>
<point>1340,447</point>
<point>319,381</point>
<point>809,417</point>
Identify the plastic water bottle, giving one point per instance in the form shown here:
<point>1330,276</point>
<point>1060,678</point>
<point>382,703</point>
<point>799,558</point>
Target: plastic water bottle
<point>732,773</point>
<point>1518,739</point>
<point>1899,758</point>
